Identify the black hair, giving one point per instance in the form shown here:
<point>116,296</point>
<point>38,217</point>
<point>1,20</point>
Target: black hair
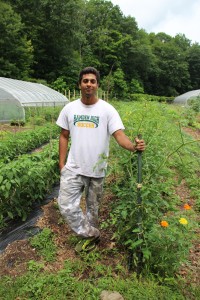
<point>89,70</point>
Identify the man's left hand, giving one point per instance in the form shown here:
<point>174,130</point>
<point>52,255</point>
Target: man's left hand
<point>139,145</point>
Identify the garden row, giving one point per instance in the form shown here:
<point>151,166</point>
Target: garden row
<point>163,227</point>
<point>23,142</point>
<point>26,181</point>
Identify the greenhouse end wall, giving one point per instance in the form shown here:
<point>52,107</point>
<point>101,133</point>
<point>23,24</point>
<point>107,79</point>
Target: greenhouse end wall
<point>11,111</point>
<point>16,95</point>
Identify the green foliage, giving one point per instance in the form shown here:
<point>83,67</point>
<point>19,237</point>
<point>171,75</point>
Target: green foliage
<point>96,33</point>
<point>146,97</point>
<point>26,181</point>
<point>17,123</point>
<point>49,114</point>
<point>120,85</point>
<point>23,142</point>
<point>193,59</point>
<point>136,87</point>
<point>170,154</point>
<point>68,284</point>
<point>172,243</point>
<point>60,85</point>
<point>170,157</point>
<point>195,103</point>
<point>44,244</point>
<point>16,51</point>
<point>189,117</point>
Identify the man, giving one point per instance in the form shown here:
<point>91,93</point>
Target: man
<point>89,122</point>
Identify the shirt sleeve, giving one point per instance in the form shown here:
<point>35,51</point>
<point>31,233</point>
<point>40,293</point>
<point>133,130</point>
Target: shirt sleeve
<point>62,120</point>
<point>114,121</point>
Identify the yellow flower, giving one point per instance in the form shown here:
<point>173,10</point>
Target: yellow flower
<point>187,206</point>
<point>164,223</point>
<point>183,221</point>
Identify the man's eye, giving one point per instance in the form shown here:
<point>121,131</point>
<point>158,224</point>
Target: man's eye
<point>93,81</point>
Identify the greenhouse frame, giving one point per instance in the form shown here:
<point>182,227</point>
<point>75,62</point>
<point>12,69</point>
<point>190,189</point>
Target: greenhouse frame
<point>15,95</point>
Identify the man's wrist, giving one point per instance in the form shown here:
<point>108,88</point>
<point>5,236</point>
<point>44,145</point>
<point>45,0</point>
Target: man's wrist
<point>133,148</point>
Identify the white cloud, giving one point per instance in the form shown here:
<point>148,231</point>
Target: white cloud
<point>169,16</point>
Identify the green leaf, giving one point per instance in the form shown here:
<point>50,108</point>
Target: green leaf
<point>136,230</point>
<point>8,185</point>
<point>10,214</point>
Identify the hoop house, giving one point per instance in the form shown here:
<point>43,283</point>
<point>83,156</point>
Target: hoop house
<point>17,94</point>
<point>185,99</point>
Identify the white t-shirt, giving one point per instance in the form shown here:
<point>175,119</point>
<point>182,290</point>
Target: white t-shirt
<point>90,129</point>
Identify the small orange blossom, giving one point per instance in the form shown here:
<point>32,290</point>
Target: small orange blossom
<point>164,223</point>
<point>187,206</point>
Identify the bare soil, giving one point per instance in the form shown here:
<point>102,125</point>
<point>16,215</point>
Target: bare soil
<point>13,261</point>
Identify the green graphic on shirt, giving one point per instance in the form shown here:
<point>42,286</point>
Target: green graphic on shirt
<point>86,121</point>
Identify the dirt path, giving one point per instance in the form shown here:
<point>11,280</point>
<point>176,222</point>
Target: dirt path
<point>13,261</point>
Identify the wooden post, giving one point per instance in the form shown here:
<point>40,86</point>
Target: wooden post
<point>69,95</point>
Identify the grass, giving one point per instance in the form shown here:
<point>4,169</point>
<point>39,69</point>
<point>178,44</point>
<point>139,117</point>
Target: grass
<point>65,284</point>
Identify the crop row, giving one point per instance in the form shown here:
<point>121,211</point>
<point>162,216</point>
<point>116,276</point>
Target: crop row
<point>158,228</point>
<point>26,181</point>
<point>26,141</point>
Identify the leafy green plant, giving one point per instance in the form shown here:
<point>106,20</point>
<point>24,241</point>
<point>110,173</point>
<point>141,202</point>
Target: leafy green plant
<point>194,103</point>
<point>170,154</point>
<point>168,243</point>
<point>23,142</point>
<point>17,123</point>
<point>26,181</point>
<point>44,244</point>
<point>49,114</point>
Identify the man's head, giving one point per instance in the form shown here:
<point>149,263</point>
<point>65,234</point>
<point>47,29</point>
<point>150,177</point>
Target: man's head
<point>89,70</point>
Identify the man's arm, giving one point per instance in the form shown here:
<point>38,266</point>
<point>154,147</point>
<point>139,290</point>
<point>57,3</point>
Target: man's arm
<point>126,143</point>
<point>63,147</point>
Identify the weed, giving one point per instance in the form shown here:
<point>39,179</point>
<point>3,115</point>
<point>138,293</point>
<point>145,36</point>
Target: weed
<point>43,242</point>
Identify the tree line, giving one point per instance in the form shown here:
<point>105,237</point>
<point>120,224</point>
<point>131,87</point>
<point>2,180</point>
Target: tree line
<point>50,41</point>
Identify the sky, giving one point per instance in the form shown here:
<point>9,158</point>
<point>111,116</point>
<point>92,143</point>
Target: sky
<point>169,16</point>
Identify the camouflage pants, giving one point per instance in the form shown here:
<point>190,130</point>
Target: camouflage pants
<point>72,186</point>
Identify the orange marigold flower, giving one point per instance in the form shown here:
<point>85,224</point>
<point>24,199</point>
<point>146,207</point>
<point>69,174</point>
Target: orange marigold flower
<point>183,221</point>
<point>187,206</point>
<point>164,223</point>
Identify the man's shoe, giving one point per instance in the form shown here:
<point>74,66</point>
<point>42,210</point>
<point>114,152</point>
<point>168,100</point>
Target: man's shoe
<point>87,244</point>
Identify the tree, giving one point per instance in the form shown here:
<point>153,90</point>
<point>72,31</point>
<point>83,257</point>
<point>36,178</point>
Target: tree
<point>120,85</point>
<point>172,75</point>
<point>103,36</point>
<point>53,27</point>
<point>137,59</point>
<point>136,87</point>
<point>193,59</point>
<point>15,49</point>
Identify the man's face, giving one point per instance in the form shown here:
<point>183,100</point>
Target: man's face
<point>88,85</point>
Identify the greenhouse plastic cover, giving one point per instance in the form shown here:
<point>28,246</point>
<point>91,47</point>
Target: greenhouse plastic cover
<point>17,94</point>
<point>183,99</point>
<point>29,93</point>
